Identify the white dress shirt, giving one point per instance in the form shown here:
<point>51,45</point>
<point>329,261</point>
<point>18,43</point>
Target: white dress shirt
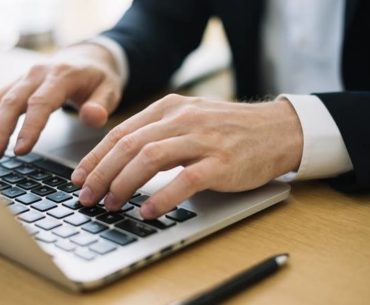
<point>301,45</point>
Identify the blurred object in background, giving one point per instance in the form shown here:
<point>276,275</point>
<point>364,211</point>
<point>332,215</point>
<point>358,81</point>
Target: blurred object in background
<point>81,19</point>
<point>9,29</point>
<point>37,23</point>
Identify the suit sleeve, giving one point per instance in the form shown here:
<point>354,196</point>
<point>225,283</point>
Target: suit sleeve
<point>350,111</point>
<point>157,36</point>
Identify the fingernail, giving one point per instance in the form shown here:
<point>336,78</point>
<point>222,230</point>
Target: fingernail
<point>79,175</point>
<point>110,202</point>
<point>86,195</point>
<point>147,211</point>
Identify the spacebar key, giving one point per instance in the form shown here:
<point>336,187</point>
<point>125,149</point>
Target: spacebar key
<point>118,237</point>
<point>54,167</point>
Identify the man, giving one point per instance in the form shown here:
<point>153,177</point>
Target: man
<point>280,45</point>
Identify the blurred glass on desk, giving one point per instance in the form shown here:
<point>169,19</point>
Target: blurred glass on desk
<point>37,23</point>
<point>9,29</point>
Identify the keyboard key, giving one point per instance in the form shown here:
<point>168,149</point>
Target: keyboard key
<point>11,164</point>
<point>25,169</point>
<point>73,204</point>
<point>94,227</point>
<point>43,190</point>
<point>135,227</point>
<point>68,187</point>
<point>65,245</point>
<point>77,219</point>
<point>84,239</point>
<point>4,159</point>
<point>28,184</point>
<point>29,158</point>
<point>4,172</point>
<point>110,218</point>
<point>126,208</point>
<point>48,223</point>
<point>60,212</point>
<point>65,231</point>
<point>54,167</point>
<point>180,215</point>
<point>59,197</point>
<point>118,237</point>
<point>44,205</point>
<point>77,193</point>
<point>92,211</point>
<point>135,195</point>
<point>13,192</point>
<point>18,208</point>
<point>28,198</point>
<point>4,186</point>
<point>138,200</point>
<point>39,175</point>
<point>13,178</point>
<point>32,230</point>
<point>31,216</point>
<point>46,237</point>
<point>54,181</point>
<point>102,247</point>
<point>161,223</point>
<point>85,253</point>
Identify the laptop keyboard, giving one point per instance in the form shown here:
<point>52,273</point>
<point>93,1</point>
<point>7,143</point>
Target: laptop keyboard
<point>46,202</point>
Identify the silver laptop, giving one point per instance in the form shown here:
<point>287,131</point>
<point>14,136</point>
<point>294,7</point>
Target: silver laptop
<point>43,227</point>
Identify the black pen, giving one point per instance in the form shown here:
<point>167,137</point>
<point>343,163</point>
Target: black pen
<point>238,282</point>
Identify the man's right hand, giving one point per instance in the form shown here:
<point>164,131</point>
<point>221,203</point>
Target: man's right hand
<point>85,75</point>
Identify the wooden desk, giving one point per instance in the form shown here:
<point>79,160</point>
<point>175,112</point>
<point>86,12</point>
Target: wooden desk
<point>326,233</point>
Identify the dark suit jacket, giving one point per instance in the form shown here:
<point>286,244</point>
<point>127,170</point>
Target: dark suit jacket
<point>158,34</point>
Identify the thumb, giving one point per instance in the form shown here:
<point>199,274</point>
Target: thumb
<point>101,103</point>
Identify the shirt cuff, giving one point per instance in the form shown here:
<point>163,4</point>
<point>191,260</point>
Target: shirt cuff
<point>324,152</point>
<point>118,54</point>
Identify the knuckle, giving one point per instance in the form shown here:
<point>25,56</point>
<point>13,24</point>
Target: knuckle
<point>90,160</point>
<point>36,70</point>
<point>192,178</point>
<point>127,144</point>
<point>115,135</point>
<point>189,114</point>
<point>152,154</point>
<point>36,100</point>
<point>98,178</point>
<point>170,100</point>
<point>62,69</point>
<point>9,100</point>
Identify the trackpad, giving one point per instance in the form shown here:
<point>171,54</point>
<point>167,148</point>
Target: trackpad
<point>74,152</point>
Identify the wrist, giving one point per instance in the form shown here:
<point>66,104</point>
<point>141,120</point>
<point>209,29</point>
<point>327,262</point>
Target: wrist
<point>90,52</point>
<point>289,137</point>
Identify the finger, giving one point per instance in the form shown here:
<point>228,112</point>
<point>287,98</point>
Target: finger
<point>153,158</point>
<point>89,162</point>
<point>99,180</point>
<point>190,180</point>
<point>13,104</point>
<point>5,88</point>
<point>102,102</point>
<point>47,98</point>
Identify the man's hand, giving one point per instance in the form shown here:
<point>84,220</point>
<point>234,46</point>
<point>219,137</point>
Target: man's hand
<point>223,146</point>
<point>83,74</point>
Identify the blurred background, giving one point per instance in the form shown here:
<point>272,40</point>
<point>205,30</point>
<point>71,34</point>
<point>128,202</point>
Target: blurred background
<point>46,24</point>
<point>31,30</point>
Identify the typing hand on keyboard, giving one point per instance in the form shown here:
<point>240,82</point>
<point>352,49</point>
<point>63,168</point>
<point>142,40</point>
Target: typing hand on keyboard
<point>85,75</point>
<point>223,146</point>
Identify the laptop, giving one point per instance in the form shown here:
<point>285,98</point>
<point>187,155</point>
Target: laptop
<point>44,228</point>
